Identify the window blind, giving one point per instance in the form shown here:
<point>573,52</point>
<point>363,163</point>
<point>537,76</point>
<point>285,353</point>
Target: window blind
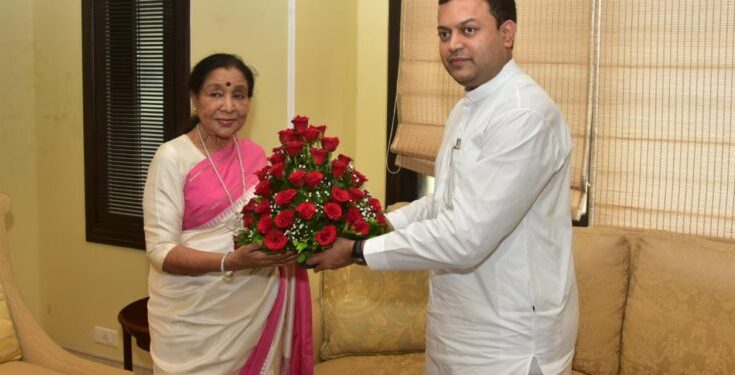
<point>665,145</point>
<point>552,45</point>
<point>135,99</point>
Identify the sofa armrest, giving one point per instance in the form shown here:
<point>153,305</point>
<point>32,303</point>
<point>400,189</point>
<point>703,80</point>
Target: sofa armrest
<point>36,346</point>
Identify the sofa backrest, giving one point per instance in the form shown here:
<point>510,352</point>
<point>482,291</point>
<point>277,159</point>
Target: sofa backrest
<point>601,258</point>
<point>680,312</point>
<point>650,302</point>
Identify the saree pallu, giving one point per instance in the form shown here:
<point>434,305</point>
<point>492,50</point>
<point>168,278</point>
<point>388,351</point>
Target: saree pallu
<point>252,323</point>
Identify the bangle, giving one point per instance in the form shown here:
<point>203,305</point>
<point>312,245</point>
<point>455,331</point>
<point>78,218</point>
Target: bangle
<point>357,255</point>
<point>225,274</point>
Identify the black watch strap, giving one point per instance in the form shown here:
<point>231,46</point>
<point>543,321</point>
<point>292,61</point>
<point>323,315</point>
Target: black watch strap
<point>357,255</point>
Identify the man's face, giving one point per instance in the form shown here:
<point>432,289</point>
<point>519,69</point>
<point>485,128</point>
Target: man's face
<point>472,48</point>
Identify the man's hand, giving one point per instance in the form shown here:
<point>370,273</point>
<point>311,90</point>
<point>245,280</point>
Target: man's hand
<point>337,256</point>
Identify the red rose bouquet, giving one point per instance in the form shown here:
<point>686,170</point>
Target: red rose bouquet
<point>305,200</point>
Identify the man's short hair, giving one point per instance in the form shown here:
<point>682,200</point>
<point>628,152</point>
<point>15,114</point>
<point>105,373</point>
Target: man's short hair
<point>502,10</point>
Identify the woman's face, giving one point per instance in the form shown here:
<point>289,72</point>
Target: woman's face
<point>222,103</point>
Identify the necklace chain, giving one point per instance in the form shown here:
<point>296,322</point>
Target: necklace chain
<point>216,171</point>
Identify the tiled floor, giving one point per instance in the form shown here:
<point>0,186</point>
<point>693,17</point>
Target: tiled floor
<point>136,369</point>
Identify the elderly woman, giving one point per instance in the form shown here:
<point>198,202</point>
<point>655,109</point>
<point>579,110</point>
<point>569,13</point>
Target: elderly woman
<point>214,309</point>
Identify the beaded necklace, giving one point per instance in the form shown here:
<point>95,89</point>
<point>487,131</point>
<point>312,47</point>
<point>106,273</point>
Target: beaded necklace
<point>234,223</point>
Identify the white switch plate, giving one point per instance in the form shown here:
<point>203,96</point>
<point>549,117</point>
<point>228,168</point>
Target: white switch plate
<point>105,336</point>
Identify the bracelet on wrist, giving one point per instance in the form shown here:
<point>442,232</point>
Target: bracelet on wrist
<point>227,275</point>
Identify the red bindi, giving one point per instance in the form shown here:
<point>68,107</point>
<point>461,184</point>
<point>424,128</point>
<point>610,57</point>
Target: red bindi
<point>227,84</point>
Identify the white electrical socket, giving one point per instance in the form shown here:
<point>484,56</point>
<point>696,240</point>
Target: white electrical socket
<point>105,336</point>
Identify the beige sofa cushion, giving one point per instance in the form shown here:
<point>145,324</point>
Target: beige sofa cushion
<point>680,315</point>
<point>367,312</point>
<point>601,258</point>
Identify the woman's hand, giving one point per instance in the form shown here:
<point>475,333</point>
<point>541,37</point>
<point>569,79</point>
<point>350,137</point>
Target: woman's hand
<point>250,256</point>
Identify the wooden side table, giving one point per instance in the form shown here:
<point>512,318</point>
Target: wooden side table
<point>134,321</point>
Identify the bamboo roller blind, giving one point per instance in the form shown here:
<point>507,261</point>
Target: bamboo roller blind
<point>665,144</point>
<point>552,45</point>
<point>648,90</point>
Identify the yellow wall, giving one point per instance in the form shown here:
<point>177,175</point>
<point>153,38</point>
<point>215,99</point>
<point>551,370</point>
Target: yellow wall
<point>19,146</point>
<point>371,96</point>
<point>72,285</point>
<point>341,70</point>
<point>325,70</point>
<point>82,284</point>
<point>257,32</point>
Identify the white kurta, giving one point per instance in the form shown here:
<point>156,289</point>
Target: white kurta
<point>496,235</point>
<point>200,324</point>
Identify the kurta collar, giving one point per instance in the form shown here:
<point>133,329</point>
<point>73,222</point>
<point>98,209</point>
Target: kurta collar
<point>492,86</point>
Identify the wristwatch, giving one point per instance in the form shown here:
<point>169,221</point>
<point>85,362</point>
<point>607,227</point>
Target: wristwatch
<point>357,256</point>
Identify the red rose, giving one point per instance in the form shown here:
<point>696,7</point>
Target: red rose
<point>264,224</point>
<point>320,128</point>
<point>361,227</point>
<point>313,179</point>
<point>285,219</point>
<point>262,173</point>
<point>286,135</point>
<point>250,207</point>
<point>306,210</point>
<point>275,240</point>
<point>263,188</point>
<point>285,197</point>
<point>338,168</point>
<point>345,159</point>
<point>277,157</point>
<point>353,215</point>
<point>300,122</point>
<point>326,236</point>
<point>318,155</point>
<point>381,219</point>
<point>248,221</point>
<point>374,204</point>
<point>297,178</point>
<point>293,148</point>
<point>277,170</point>
<point>333,211</point>
<point>356,194</point>
<point>340,195</point>
<point>358,178</point>
<point>263,208</point>
<point>310,134</point>
<point>330,143</point>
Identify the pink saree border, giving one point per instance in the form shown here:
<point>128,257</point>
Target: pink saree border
<point>302,347</point>
<point>204,198</point>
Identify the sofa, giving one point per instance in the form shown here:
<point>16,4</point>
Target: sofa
<point>25,348</point>
<point>650,303</point>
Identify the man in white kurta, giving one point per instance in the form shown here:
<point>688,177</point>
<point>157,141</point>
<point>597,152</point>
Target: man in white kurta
<point>496,232</point>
